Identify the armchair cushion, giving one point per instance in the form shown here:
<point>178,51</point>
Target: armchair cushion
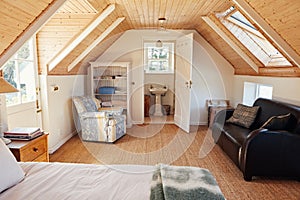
<point>106,125</point>
<point>244,115</point>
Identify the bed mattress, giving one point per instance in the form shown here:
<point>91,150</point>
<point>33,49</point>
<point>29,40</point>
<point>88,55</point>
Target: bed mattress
<point>81,181</point>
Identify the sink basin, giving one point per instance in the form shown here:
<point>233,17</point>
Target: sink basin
<point>158,91</point>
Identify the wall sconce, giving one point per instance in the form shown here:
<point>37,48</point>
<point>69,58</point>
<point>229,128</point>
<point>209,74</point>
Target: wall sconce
<point>54,88</point>
<point>158,43</point>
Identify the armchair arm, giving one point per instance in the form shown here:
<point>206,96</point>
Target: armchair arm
<point>93,115</point>
<point>268,152</point>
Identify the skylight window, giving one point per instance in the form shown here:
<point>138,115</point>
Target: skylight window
<point>252,39</point>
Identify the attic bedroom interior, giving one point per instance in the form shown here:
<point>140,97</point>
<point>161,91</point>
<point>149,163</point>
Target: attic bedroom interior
<point>149,99</point>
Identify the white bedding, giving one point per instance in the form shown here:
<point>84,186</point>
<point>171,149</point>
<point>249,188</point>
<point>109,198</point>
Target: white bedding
<point>60,181</point>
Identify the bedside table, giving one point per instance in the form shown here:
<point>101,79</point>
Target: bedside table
<point>212,111</point>
<point>35,150</point>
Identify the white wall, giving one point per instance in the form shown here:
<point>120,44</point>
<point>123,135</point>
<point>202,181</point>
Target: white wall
<point>284,89</point>
<point>57,107</point>
<point>214,76</point>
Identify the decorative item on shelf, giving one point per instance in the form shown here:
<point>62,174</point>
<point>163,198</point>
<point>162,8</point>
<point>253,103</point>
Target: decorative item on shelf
<point>5,87</point>
<point>107,90</point>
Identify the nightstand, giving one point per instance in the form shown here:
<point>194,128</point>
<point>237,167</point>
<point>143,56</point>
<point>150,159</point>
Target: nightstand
<point>35,150</point>
<point>213,107</point>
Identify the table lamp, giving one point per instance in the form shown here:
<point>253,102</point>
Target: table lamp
<point>5,87</point>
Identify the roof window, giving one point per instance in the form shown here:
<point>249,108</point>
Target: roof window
<point>251,38</point>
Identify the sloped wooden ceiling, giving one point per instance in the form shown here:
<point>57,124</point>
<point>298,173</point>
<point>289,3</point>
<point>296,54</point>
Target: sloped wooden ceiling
<point>16,16</point>
<point>75,15</point>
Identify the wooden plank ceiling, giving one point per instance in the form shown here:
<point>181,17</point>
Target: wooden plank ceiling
<point>16,16</point>
<point>75,15</point>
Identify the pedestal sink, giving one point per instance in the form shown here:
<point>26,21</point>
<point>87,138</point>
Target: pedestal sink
<point>158,92</point>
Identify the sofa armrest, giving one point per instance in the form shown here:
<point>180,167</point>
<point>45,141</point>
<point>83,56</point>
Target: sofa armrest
<point>270,152</point>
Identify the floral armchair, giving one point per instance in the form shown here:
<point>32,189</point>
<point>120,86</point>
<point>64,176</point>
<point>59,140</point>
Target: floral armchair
<point>100,126</point>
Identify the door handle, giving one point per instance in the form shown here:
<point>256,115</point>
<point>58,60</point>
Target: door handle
<point>188,84</point>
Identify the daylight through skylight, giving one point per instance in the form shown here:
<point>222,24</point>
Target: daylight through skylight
<point>252,39</point>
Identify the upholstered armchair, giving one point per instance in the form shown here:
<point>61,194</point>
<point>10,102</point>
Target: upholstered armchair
<point>100,126</point>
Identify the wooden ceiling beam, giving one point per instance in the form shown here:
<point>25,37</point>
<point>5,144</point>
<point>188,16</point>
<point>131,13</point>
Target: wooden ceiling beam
<point>80,37</point>
<point>105,33</point>
<point>32,29</point>
<point>235,47</point>
<point>267,29</point>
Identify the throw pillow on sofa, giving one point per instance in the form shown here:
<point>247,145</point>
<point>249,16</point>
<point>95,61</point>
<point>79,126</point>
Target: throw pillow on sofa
<point>277,122</point>
<point>243,115</point>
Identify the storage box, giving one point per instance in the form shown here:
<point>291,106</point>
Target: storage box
<point>106,90</point>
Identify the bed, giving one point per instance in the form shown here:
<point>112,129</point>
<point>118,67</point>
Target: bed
<point>32,180</point>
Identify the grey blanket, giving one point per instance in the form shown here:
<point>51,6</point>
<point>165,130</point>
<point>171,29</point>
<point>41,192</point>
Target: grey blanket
<point>181,182</point>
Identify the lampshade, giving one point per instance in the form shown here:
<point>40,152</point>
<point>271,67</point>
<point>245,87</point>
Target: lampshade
<point>6,87</point>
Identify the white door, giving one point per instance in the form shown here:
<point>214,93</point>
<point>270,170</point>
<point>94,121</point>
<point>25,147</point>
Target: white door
<point>183,81</point>
<point>27,113</point>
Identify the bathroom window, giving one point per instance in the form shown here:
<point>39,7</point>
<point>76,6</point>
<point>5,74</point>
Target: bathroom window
<point>159,59</point>
<point>252,91</point>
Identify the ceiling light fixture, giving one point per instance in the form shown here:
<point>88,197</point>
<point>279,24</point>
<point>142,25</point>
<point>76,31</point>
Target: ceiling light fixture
<point>161,22</point>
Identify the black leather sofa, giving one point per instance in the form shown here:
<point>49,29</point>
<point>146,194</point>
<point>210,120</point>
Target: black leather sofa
<point>259,151</point>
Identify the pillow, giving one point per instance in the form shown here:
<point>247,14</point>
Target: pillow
<point>10,171</point>
<point>243,115</point>
<point>277,122</point>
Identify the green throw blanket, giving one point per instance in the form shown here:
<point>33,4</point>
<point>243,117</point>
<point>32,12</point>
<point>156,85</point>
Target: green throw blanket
<point>180,182</point>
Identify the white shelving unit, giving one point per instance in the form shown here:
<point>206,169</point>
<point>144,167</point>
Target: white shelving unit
<point>113,79</point>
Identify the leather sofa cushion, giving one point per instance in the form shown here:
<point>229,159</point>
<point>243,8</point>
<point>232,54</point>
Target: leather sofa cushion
<point>279,122</point>
<point>236,133</point>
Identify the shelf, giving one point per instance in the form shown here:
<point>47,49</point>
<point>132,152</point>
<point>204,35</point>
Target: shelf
<point>111,94</point>
<point>109,79</point>
<point>115,74</point>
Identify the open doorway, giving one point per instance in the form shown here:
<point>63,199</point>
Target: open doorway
<point>159,82</point>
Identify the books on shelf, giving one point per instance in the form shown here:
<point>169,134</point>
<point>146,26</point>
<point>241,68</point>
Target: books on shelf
<point>23,133</point>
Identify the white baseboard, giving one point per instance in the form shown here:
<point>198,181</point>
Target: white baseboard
<point>62,141</point>
<point>198,123</point>
<point>137,122</point>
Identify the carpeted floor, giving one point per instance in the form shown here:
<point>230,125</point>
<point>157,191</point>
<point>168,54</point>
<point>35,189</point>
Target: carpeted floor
<point>152,144</point>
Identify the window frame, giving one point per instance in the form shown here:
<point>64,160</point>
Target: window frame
<point>32,59</point>
<point>266,53</point>
<point>171,57</point>
<point>255,92</point>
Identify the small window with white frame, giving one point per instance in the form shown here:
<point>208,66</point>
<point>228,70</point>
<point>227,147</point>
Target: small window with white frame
<point>159,59</point>
<point>19,71</point>
<point>253,91</point>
